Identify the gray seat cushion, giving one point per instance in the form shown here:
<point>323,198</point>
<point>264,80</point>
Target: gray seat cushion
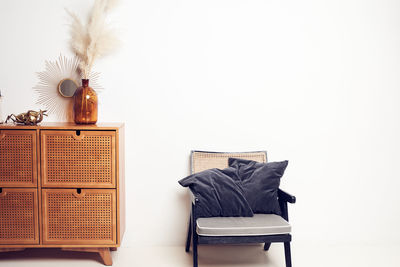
<point>260,224</point>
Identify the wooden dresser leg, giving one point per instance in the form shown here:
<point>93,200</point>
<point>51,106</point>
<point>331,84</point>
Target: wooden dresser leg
<point>113,248</point>
<point>103,252</point>
<point>106,256</point>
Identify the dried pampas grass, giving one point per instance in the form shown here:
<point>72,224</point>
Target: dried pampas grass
<point>96,38</point>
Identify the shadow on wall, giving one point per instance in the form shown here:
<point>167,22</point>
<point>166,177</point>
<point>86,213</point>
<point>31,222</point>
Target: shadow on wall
<point>183,197</point>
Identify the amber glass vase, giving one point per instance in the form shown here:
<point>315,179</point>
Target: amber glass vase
<point>85,104</point>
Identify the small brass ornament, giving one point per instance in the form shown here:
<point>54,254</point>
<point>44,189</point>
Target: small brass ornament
<point>30,117</point>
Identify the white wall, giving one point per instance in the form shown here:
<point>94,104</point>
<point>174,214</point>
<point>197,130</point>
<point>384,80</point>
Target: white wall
<point>314,82</point>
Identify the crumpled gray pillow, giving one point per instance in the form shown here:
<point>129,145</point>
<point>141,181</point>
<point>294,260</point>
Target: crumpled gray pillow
<point>260,183</point>
<point>219,193</point>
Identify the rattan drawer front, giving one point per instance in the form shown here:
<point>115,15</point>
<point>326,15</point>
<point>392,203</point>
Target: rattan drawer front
<point>18,158</point>
<point>85,218</point>
<point>78,159</point>
<point>19,216</point>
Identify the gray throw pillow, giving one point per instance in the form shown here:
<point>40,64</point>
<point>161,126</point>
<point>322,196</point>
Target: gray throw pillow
<point>219,193</point>
<point>260,183</point>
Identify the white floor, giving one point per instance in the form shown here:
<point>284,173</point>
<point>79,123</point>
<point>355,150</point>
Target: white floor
<point>214,256</point>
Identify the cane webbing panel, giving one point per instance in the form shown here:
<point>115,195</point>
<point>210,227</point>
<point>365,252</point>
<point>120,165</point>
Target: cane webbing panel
<point>17,158</point>
<point>17,216</point>
<point>86,218</point>
<point>78,160</point>
<point>207,160</point>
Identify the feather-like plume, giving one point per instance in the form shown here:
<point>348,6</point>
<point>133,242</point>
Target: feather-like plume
<point>111,4</point>
<point>96,38</point>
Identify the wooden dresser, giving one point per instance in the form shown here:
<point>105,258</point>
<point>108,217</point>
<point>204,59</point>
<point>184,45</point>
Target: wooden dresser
<point>62,185</point>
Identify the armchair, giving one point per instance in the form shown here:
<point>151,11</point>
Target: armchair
<point>262,228</point>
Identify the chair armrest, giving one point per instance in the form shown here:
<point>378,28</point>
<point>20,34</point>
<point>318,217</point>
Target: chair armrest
<point>286,196</point>
<point>193,199</point>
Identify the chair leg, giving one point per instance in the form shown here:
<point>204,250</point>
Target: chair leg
<point>266,246</point>
<point>288,257</point>
<point>189,235</point>
<point>194,244</point>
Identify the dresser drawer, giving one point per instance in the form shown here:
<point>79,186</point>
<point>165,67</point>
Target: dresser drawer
<point>18,164</point>
<point>78,159</point>
<point>77,217</point>
<point>19,216</point>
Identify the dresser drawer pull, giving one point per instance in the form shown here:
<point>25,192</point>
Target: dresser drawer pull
<point>78,135</point>
<point>2,192</point>
<point>79,193</point>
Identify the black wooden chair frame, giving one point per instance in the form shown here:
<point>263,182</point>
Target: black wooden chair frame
<point>283,199</point>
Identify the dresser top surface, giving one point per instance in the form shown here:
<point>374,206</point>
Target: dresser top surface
<point>64,125</point>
